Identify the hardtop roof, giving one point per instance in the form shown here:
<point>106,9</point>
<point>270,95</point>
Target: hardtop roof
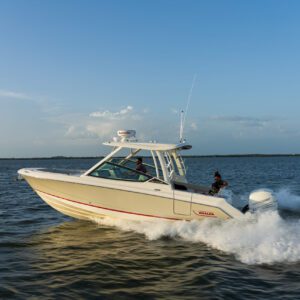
<point>149,146</point>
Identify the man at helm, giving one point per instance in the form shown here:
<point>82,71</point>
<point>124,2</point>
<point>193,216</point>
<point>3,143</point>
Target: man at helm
<point>139,165</point>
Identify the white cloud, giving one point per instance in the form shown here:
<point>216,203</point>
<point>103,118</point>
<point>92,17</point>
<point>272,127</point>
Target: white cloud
<point>112,115</point>
<point>103,125</point>
<point>46,105</point>
<point>99,124</point>
<point>14,95</point>
<point>245,121</point>
<point>79,132</point>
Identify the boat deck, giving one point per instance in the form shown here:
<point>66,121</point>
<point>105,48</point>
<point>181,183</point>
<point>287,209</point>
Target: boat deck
<point>73,172</point>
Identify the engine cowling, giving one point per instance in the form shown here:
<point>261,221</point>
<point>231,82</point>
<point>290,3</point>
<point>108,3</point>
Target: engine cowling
<point>262,199</point>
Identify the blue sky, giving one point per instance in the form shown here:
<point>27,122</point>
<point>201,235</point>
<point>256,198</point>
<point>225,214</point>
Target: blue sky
<point>73,72</point>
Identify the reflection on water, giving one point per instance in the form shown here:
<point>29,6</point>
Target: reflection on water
<point>80,252</point>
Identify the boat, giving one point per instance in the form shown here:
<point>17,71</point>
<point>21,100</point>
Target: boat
<point>115,188</point>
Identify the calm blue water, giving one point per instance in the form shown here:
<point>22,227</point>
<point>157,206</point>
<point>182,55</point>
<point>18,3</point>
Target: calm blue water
<point>44,254</point>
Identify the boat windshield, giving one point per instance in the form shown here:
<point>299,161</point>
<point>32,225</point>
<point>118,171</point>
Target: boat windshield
<point>131,163</point>
<point>115,171</point>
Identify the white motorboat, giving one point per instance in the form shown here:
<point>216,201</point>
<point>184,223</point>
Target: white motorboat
<point>115,188</point>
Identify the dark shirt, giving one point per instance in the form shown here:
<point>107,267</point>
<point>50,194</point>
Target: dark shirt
<point>216,186</point>
<point>141,168</point>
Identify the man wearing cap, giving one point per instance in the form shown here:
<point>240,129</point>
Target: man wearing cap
<point>218,184</point>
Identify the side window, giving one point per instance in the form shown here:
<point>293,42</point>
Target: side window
<point>114,171</point>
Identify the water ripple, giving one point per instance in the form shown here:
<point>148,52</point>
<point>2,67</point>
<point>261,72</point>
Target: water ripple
<point>44,254</point>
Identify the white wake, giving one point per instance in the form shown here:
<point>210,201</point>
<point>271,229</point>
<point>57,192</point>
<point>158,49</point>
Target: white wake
<point>263,238</point>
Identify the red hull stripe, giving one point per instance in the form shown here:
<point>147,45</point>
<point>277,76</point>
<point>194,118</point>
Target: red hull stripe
<point>111,209</point>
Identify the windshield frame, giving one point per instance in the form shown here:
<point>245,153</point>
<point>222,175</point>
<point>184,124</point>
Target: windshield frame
<point>148,177</point>
<point>164,171</point>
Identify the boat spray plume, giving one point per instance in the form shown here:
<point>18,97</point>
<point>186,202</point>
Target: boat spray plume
<point>262,238</point>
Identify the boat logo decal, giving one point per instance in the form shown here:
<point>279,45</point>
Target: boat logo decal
<point>204,213</point>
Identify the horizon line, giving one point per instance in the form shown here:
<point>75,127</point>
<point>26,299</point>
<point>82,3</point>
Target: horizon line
<point>187,156</point>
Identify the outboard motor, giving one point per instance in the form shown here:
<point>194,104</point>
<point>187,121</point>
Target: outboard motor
<point>261,200</point>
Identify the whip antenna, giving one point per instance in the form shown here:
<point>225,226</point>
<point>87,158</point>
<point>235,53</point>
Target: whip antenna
<point>181,127</point>
<point>184,113</point>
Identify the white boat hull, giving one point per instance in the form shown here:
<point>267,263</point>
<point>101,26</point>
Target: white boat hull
<point>87,212</point>
<point>87,198</point>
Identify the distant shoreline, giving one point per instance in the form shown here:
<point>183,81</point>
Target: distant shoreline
<point>185,156</point>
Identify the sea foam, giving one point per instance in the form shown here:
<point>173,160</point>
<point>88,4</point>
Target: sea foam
<point>287,200</point>
<point>261,238</point>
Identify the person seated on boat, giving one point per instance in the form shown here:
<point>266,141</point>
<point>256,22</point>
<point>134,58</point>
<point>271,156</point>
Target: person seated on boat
<point>218,184</point>
<point>139,165</point>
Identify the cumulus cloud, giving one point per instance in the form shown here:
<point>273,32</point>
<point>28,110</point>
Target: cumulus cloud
<point>14,95</point>
<point>112,115</point>
<point>88,128</point>
<point>102,124</point>
<point>79,132</point>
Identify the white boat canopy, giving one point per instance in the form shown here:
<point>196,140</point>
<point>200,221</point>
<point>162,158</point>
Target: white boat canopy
<point>149,146</point>
<point>166,159</point>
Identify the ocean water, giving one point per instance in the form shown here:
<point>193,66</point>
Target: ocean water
<point>46,255</point>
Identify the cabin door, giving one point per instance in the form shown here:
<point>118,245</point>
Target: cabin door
<point>184,205</point>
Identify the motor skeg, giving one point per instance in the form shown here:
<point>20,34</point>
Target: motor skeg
<point>262,199</point>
